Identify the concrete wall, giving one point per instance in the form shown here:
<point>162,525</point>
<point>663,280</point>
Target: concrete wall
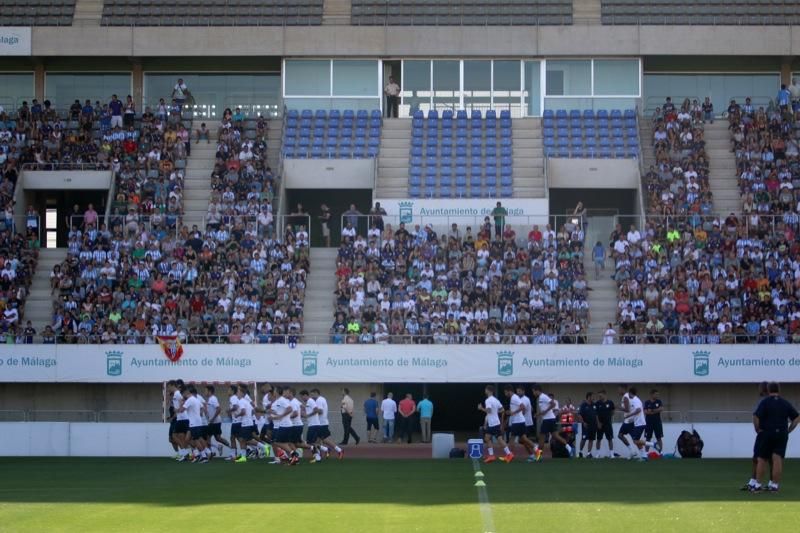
<point>329,173</point>
<point>66,179</point>
<point>396,41</point>
<point>62,397</point>
<point>591,173</point>
<point>32,439</point>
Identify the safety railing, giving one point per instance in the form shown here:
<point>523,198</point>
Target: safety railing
<point>369,336</point>
<point>13,415</point>
<point>63,166</point>
<point>61,415</point>
<point>124,415</point>
<point>652,102</point>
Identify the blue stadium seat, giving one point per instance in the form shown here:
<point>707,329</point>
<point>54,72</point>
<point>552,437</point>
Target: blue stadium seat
<point>292,113</point>
<point>374,133</point>
<point>346,142</point>
<point>575,132</point>
<point>361,133</point>
<point>461,113</point>
<point>588,114</point>
<point>632,151</point>
<point>550,151</point>
<point>461,192</point>
<point>320,114</point>
<point>629,113</point>
<point>602,114</point>
<point>430,180</point>
<point>413,192</point>
<point>506,151</point>
<point>561,114</point>
<point>359,153</point>
<point>590,142</point>
<point>291,122</point>
<point>506,142</point>
<point>631,133</point>
<point>505,133</point>
<point>617,133</point>
<point>345,153</point>
<point>461,161</point>
<point>549,132</point>
<point>416,142</point>
<point>548,122</point>
<point>491,180</point>
<point>616,113</point>
<point>319,132</point>
<point>491,114</point>
<point>576,142</point>
<point>430,192</point>
<point>475,114</point>
<point>589,122</point>
<point>445,191</point>
<point>548,113</point>
<point>305,132</point>
<point>433,114</point>
<point>604,142</point>
<point>376,113</point>
<point>602,133</point>
<point>563,151</point>
<point>447,114</point>
<point>306,113</point>
<point>305,123</point>
<point>331,142</point>
<point>630,123</point>
<point>414,180</point>
<point>605,152</point>
<point>549,142</point>
<point>616,123</point>
<point>563,133</point>
<point>373,142</point>
<point>506,192</point>
<point>590,133</point>
<point>490,142</point>
<point>577,153</point>
<point>506,162</point>
<point>574,114</point>
<point>506,180</point>
<point>418,114</point>
<point>289,141</point>
<point>445,160</point>
<point>288,151</point>
<point>416,162</point>
<point>431,151</point>
<point>417,123</point>
<point>316,152</point>
<point>303,142</point>
<point>562,123</point>
<point>362,113</point>
<point>475,177</point>
<point>602,123</point>
<point>505,114</point>
<point>461,180</point>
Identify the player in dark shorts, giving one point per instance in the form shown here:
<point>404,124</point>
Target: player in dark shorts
<point>588,420</point>
<point>652,417</point>
<point>775,418</point>
<point>762,393</point>
<point>604,409</point>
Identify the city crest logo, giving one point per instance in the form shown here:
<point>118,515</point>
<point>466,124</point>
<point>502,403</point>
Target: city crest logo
<point>114,363</point>
<point>701,363</point>
<point>406,212</point>
<point>505,363</point>
<point>310,362</point>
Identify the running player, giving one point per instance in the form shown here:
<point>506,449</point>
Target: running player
<point>323,431</point>
<point>181,421</point>
<point>214,414</point>
<point>546,411</point>
<point>246,423</point>
<point>516,421</point>
<point>172,406</point>
<point>312,419</point>
<point>298,410</point>
<point>530,423</point>
<point>281,412</point>
<point>236,422</point>
<point>192,407</point>
<point>635,417</point>
<point>762,393</point>
<point>652,417</point>
<point>588,420</point>
<point>604,409</point>
<point>492,408</point>
<point>268,392</point>
<point>626,427</point>
<point>775,418</point>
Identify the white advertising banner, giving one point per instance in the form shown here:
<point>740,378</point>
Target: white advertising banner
<point>15,41</point>
<point>331,363</point>
<point>522,212</point>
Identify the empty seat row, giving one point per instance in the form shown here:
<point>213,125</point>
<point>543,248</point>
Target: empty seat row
<point>590,132</point>
<point>446,191</point>
<point>321,152</point>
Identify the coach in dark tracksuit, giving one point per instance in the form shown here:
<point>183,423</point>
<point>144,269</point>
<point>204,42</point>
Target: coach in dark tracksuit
<point>774,418</point>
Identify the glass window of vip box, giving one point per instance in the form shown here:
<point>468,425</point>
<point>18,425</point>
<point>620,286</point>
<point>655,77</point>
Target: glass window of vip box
<point>478,85</point>
<point>416,87</point>
<point>211,93</point>
<point>15,88</point>
<point>326,84</point>
<point>63,88</point>
<point>592,84</point>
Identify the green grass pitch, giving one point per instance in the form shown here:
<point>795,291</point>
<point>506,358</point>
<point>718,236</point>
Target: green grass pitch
<point>109,495</point>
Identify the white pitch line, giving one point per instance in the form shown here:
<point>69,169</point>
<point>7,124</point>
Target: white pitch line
<point>483,502</point>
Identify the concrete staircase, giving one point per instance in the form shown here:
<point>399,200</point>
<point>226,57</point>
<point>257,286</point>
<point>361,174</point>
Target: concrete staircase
<point>88,13</point>
<point>602,297</point>
<point>393,159</point>
<point>336,12</point>
<point>528,160</point>
<point>197,183</point>
<point>586,11</point>
<point>319,304</point>
<point>39,304</point>
<point>200,165</point>
<point>722,169</point>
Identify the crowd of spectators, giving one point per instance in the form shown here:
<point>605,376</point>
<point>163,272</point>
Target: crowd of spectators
<point>145,274</point>
<point>19,239</point>
<point>694,277</point>
<point>489,286</point>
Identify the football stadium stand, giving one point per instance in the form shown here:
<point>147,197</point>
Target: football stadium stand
<point>467,13</point>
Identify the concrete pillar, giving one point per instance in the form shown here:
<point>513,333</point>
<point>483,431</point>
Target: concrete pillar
<point>38,81</point>
<point>137,78</point>
<point>786,70</point>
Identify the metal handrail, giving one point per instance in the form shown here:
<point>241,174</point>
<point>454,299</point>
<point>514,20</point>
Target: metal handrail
<point>56,165</point>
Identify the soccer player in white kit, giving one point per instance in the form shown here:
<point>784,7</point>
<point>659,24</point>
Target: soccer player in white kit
<point>492,408</point>
<point>635,417</point>
<point>192,407</point>
<point>625,428</point>
<point>297,425</point>
<point>546,410</point>
<point>516,421</point>
<point>530,424</point>
<point>323,431</point>
<point>281,412</point>
<point>247,427</point>
<point>311,415</point>
<point>214,414</point>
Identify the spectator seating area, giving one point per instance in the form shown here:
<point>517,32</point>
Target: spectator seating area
<point>590,134</point>
<point>211,13</point>
<point>146,274</point>
<point>331,135</point>
<point>37,12</point>
<point>705,12</point>
<point>463,287</point>
<point>765,143</point>
<point>465,12</point>
<point>19,239</point>
<point>456,156</point>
